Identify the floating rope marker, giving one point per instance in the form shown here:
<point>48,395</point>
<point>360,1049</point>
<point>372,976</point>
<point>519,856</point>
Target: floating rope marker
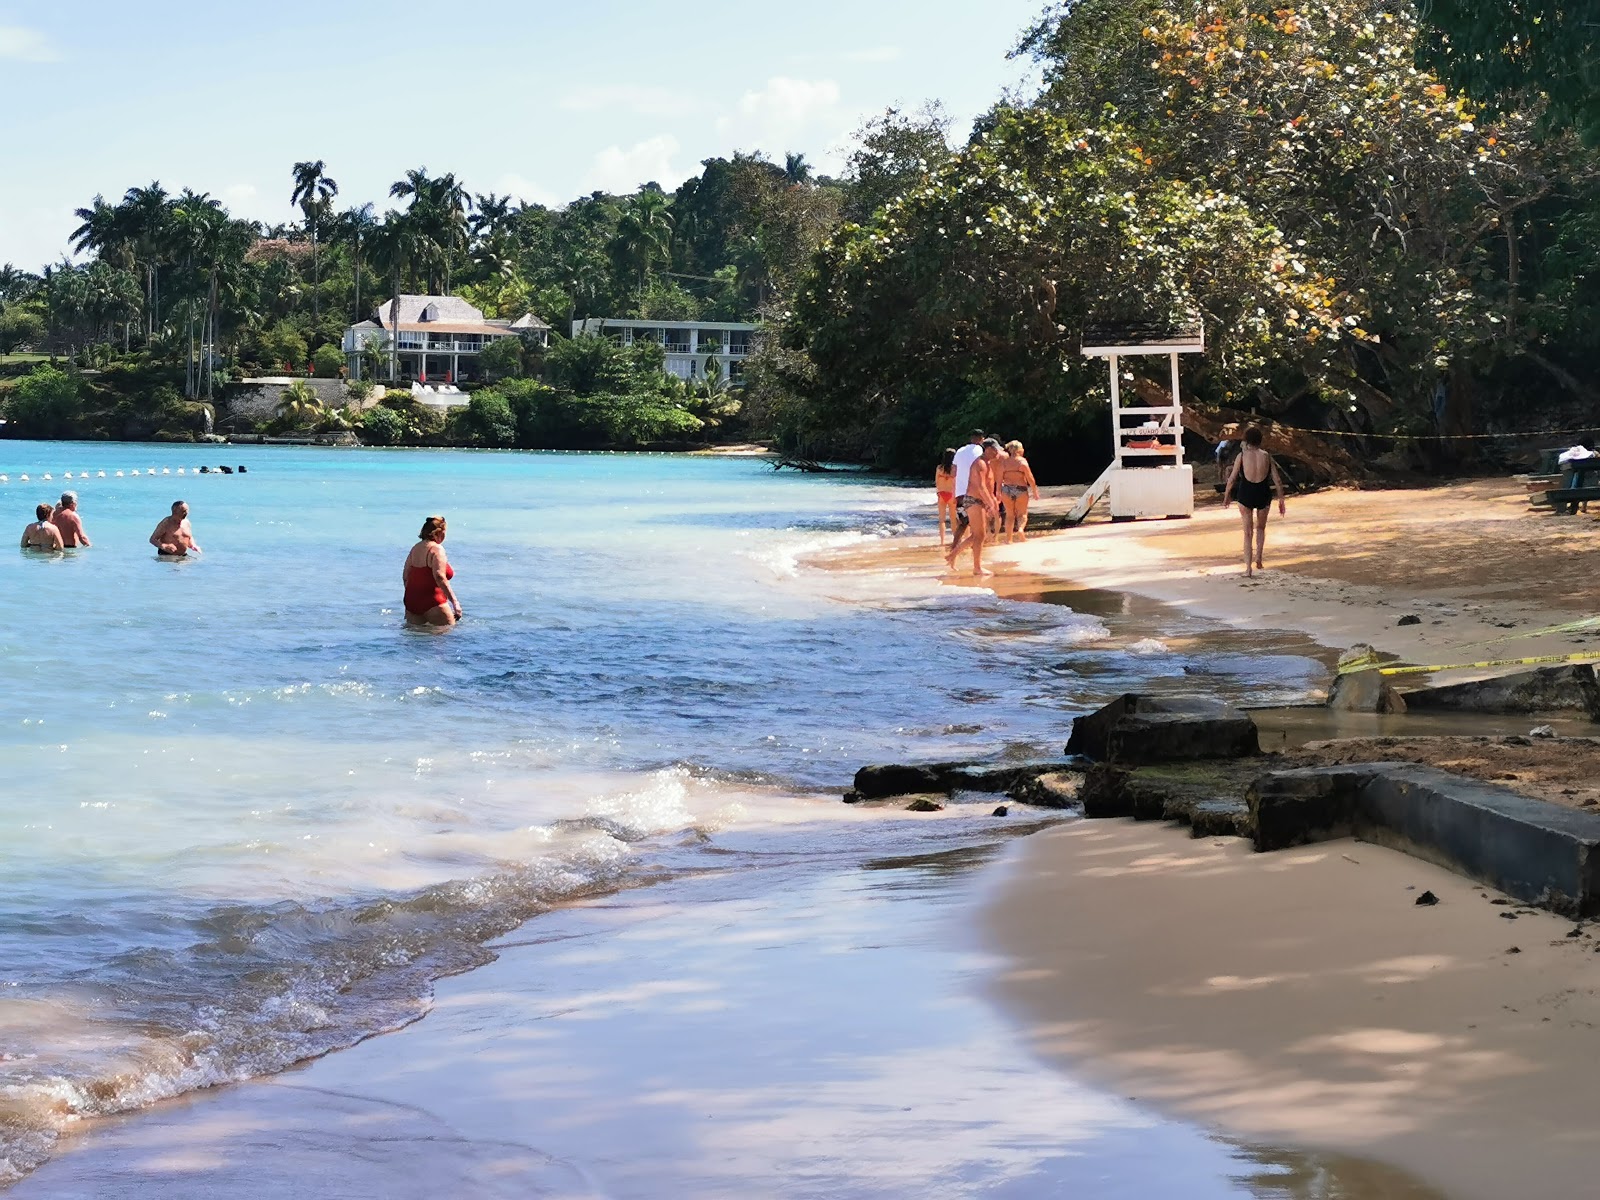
<point>119,474</point>
<point>24,479</point>
<point>102,474</point>
<point>47,474</point>
<point>180,471</point>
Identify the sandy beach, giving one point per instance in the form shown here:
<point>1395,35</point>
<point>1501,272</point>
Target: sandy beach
<point>1302,996</point>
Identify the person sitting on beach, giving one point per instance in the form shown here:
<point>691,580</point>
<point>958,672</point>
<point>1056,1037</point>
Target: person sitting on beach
<point>429,598</point>
<point>944,485</point>
<point>1017,484</point>
<point>41,535</point>
<point>66,519</point>
<point>976,508</point>
<point>173,538</point>
<point>1252,481</point>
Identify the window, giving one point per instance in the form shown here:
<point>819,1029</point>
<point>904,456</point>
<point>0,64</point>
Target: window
<point>430,312</point>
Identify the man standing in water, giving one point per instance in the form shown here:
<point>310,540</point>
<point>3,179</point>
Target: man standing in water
<point>41,535</point>
<point>976,507</point>
<point>66,519</point>
<point>173,537</point>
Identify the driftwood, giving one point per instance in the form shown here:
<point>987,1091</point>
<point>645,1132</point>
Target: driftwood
<point>1323,458</point>
<point>808,465</point>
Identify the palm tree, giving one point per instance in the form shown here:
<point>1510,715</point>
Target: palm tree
<point>313,192</point>
<point>438,212</point>
<point>147,220</point>
<point>15,283</point>
<point>357,225</point>
<point>300,403</point>
<point>644,233</point>
<point>493,212</point>
<point>796,169</point>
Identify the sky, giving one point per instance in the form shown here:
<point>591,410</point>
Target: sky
<point>544,101</point>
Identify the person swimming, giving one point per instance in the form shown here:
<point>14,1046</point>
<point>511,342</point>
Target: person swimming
<point>41,535</point>
<point>429,598</point>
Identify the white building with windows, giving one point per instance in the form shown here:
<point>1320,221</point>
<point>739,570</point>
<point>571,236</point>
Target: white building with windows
<point>440,338</point>
<point>693,348</point>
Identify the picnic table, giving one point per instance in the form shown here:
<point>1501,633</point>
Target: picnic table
<point>1580,484</point>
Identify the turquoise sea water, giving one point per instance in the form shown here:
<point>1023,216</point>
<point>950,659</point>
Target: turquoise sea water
<point>249,816</point>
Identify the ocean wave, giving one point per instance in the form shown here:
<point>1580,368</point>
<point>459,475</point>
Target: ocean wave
<point>260,987</point>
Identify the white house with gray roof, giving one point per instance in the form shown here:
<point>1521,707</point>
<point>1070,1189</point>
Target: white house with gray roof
<point>693,349</point>
<point>435,339</point>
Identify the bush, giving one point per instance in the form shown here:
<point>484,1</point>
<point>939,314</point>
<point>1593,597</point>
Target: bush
<point>328,361</point>
<point>45,403</point>
<point>487,420</point>
<point>19,327</point>
<point>282,347</point>
<point>502,359</point>
<point>382,427</point>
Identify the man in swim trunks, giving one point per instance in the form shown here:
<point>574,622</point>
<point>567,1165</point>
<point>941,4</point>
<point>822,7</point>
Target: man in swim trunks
<point>976,507</point>
<point>66,519</point>
<point>173,537</point>
<point>41,535</point>
<point>965,457</point>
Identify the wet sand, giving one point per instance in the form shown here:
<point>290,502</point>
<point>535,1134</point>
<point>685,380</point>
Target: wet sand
<point>1304,998</point>
<point>1479,568</point>
<point>775,1030</point>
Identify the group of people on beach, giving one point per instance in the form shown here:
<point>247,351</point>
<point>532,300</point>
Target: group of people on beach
<point>983,489</point>
<point>58,527</point>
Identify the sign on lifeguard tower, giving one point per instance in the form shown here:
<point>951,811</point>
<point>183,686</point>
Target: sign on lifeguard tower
<point>1147,476</point>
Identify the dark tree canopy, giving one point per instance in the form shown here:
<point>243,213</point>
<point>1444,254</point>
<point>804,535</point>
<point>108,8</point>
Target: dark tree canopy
<point>1515,53</point>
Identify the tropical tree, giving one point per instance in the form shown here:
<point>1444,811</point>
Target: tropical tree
<point>146,212</point>
<point>644,234</point>
<point>313,191</point>
<point>300,405</point>
<point>1533,54</point>
<point>356,226</point>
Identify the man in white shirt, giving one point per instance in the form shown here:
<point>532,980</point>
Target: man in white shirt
<point>976,507</point>
<point>965,457</point>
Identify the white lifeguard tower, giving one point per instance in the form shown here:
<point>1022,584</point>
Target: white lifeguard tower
<point>1156,482</point>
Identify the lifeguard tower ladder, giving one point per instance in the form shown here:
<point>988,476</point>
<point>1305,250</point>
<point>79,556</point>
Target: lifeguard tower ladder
<point>1161,484</point>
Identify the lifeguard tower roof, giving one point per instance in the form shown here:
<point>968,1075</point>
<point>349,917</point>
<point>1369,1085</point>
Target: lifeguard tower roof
<point>1127,338</point>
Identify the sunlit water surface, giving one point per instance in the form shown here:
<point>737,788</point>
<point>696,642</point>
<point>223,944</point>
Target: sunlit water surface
<point>249,816</point>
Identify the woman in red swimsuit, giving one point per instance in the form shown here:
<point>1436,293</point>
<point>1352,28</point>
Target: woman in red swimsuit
<point>430,600</point>
<point>944,486</point>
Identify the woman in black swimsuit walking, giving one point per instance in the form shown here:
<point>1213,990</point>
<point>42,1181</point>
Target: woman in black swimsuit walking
<point>1254,494</point>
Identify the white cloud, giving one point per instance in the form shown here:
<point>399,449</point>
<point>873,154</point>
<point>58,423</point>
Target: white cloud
<point>877,54</point>
<point>619,170</point>
<point>25,45</point>
<point>642,101</point>
<point>800,115</point>
<point>527,191</point>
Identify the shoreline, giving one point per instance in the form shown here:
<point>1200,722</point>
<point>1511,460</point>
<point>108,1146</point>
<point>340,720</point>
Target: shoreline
<point>1301,996</point>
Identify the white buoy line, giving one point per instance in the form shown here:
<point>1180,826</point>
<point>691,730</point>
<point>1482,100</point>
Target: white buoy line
<point>135,473</point>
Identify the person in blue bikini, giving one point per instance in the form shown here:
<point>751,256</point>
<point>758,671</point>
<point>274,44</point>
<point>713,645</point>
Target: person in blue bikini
<point>1254,478</point>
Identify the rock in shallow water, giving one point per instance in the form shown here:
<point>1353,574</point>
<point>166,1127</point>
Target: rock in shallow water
<point>1135,730</point>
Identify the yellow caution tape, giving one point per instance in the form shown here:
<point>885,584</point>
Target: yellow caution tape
<point>1588,623</point>
<point>1369,663</point>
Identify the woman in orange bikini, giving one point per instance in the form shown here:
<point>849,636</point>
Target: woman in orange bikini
<point>944,483</point>
<point>429,598</point>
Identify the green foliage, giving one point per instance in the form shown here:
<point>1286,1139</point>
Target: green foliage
<point>20,327</point>
<point>382,427</point>
<point>44,402</point>
<point>328,362</point>
<point>487,420</point>
<point>503,359</point>
<point>1531,54</point>
<point>282,347</point>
